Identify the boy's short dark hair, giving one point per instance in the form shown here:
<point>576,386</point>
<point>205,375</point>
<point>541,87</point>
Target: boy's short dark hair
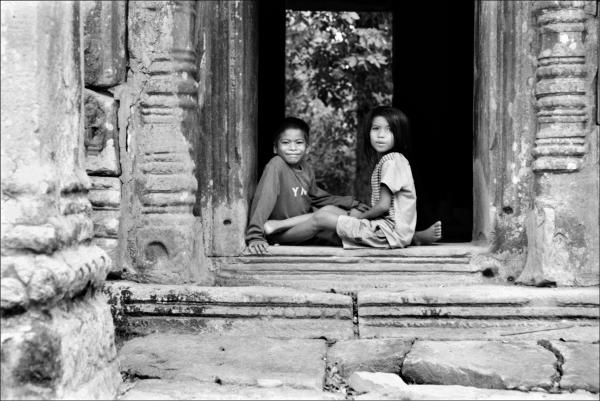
<point>291,123</point>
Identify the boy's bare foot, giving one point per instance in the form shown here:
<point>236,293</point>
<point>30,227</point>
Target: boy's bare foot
<point>270,227</point>
<point>429,235</point>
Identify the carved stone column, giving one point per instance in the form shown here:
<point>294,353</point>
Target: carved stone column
<point>562,228</point>
<point>160,184</point>
<point>57,330</point>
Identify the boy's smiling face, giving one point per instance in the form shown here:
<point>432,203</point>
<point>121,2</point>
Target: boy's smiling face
<point>291,146</point>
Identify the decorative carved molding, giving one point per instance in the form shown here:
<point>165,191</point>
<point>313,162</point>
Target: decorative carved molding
<point>560,90</point>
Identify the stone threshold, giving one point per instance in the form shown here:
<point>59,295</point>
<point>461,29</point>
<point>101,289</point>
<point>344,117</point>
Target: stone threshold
<point>331,268</point>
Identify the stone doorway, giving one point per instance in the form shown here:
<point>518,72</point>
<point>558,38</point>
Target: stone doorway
<point>433,83</point>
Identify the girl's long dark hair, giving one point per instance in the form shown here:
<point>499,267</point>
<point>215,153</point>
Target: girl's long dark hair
<point>398,125</point>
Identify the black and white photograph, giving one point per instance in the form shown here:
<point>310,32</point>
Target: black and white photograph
<point>300,200</point>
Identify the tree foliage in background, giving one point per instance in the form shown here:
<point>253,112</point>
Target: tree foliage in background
<point>338,65</point>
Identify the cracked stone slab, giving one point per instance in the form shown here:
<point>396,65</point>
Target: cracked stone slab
<point>369,355</point>
<point>154,389</point>
<point>581,365</point>
<point>454,392</point>
<point>485,364</point>
<point>298,363</point>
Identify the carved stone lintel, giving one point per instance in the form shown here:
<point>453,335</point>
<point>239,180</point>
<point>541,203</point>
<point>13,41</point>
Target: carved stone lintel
<point>560,91</point>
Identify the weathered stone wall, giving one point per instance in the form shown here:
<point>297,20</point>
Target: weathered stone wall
<point>158,115</point>
<point>504,126</point>
<point>105,59</point>
<point>57,332</point>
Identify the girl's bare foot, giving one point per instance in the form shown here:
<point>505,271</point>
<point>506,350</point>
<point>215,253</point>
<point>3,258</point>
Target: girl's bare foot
<point>429,235</point>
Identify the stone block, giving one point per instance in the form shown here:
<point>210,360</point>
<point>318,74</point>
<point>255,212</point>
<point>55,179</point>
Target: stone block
<point>452,392</point>
<point>230,360</point>
<point>365,382</point>
<point>485,364</point>
<point>101,134</point>
<point>368,355</point>
<point>106,223</point>
<point>581,365</point>
<point>104,42</point>
<point>105,193</point>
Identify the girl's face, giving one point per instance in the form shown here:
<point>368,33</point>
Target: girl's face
<point>382,138</point>
<point>291,146</point>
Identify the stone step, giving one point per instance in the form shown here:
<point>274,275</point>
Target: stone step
<point>480,312</point>
<point>325,268</point>
<point>141,309</point>
<point>473,312</point>
<point>227,360</point>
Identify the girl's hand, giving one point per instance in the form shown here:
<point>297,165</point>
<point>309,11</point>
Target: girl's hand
<point>362,207</point>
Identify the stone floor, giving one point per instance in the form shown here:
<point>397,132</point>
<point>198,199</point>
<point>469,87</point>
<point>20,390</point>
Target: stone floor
<point>250,355</point>
<point>212,366</point>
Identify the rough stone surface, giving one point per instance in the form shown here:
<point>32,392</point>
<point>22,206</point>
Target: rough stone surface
<point>485,364</point>
<point>364,382</point>
<point>101,138</point>
<point>153,389</point>
<point>434,392</point>
<point>104,42</point>
<point>225,359</point>
<point>370,355</point>
<point>580,367</point>
<point>68,352</point>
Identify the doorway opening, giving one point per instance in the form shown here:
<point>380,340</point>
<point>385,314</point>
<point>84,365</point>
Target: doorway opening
<point>432,80</point>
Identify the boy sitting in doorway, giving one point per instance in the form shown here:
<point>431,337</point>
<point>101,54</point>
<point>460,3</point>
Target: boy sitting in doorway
<point>287,188</point>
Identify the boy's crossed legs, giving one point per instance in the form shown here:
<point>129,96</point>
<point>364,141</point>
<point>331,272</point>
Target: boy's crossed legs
<point>301,228</point>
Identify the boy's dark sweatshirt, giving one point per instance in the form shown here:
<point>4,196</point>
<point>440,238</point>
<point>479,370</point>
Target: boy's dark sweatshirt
<point>283,192</point>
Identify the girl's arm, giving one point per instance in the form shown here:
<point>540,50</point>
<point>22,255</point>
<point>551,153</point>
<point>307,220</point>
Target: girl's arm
<point>381,207</point>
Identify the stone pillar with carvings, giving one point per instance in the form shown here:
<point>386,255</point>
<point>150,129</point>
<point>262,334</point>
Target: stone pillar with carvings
<point>158,173</point>
<point>562,228</point>
<point>57,330</point>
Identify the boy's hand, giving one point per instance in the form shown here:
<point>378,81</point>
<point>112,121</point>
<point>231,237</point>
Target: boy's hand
<point>257,248</point>
<point>354,213</point>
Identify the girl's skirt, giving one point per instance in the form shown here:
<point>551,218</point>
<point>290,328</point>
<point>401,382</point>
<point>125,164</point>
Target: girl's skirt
<point>362,233</point>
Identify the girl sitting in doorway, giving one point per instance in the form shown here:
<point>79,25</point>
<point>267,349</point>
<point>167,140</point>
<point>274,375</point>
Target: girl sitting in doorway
<point>391,220</point>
